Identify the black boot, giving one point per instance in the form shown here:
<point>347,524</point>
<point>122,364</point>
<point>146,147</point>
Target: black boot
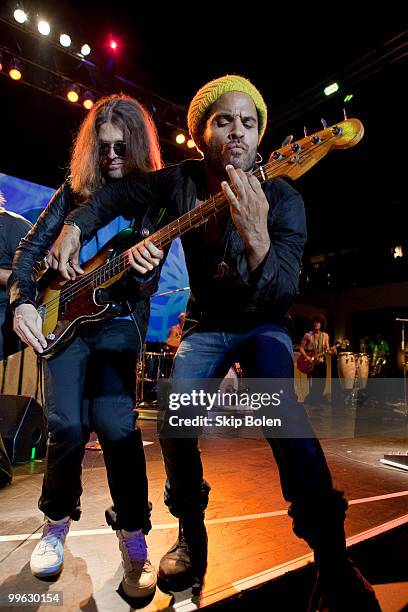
<point>343,590</point>
<point>340,586</point>
<point>184,565</point>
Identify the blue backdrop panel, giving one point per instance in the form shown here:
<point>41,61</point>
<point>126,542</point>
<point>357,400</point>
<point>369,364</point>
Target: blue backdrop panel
<point>29,199</point>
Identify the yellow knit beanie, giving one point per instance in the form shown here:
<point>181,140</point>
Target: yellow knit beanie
<point>209,93</point>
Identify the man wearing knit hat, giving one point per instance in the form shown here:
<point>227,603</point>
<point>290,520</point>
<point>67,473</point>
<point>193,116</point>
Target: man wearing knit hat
<point>243,267</point>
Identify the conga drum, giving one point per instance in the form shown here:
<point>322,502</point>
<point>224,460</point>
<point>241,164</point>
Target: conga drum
<point>362,368</point>
<point>346,367</point>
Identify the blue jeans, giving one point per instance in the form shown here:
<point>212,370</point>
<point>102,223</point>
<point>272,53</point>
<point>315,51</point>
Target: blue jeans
<point>263,352</point>
<point>90,386</point>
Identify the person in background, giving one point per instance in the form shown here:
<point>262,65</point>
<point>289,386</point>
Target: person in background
<point>13,228</point>
<point>314,347</point>
<point>174,337</point>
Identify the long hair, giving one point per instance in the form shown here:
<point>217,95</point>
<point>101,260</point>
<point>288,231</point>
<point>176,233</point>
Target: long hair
<point>139,133</point>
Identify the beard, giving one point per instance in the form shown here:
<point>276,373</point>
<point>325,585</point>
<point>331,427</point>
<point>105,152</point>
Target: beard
<point>217,159</point>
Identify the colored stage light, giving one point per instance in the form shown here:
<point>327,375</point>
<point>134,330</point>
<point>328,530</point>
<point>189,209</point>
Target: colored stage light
<point>331,89</point>
<point>113,44</point>
<point>44,27</point>
<point>89,100</point>
<point>20,16</point>
<point>15,70</point>
<point>190,143</point>
<point>85,49</point>
<point>73,93</point>
<point>180,139</point>
<point>348,98</point>
<point>65,40</point>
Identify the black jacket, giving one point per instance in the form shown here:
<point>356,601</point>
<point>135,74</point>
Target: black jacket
<point>34,247</point>
<point>241,299</point>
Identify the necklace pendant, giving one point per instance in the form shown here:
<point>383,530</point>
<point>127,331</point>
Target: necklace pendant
<point>222,270</point>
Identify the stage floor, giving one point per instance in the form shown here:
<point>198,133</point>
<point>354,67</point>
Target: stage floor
<point>248,528</point>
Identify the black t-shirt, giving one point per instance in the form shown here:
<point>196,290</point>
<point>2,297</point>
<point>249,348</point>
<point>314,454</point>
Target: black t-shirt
<point>12,228</point>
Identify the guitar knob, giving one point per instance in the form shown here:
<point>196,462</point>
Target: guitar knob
<point>324,123</point>
<point>145,232</point>
<point>315,139</point>
<point>277,156</point>
<point>337,130</point>
<point>296,147</point>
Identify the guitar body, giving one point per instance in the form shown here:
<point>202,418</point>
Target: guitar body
<point>63,310</point>
<point>303,365</point>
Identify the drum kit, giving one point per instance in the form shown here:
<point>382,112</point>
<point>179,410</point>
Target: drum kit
<point>153,366</point>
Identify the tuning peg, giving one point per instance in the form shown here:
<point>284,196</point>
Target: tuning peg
<point>345,114</point>
<point>305,131</point>
<point>324,123</point>
<point>287,140</point>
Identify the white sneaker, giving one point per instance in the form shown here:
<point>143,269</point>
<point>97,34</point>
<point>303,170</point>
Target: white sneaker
<point>47,557</point>
<point>139,576</point>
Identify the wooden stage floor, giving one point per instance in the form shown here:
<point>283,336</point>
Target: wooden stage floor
<point>250,536</point>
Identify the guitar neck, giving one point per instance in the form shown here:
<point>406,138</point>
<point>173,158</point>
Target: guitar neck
<point>291,161</point>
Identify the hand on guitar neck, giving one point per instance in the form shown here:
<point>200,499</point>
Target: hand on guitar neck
<point>64,256</point>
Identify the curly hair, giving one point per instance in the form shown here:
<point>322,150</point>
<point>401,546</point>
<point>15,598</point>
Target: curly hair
<point>319,318</point>
<point>139,133</point>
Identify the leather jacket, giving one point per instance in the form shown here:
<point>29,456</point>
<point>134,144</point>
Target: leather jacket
<point>29,257</point>
<point>241,298</point>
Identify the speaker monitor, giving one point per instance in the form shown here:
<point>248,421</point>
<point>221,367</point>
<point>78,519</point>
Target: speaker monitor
<point>22,427</point>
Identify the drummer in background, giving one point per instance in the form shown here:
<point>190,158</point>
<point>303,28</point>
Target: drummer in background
<point>314,346</point>
<point>365,345</point>
<point>175,331</point>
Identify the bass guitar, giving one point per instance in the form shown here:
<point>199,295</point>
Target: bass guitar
<point>65,305</point>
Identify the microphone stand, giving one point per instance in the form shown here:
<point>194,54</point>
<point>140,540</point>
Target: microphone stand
<point>400,461</point>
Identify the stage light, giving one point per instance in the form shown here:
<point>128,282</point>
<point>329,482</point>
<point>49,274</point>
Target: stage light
<point>65,40</point>
<point>331,89</point>
<point>89,100</point>
<point>348,98</point>
<point>20,16</point>
<point>113,44</point>
<point>398,251</point>
<point>15,70</point>
<point>85,49</point>
<point>73,93</point>
<point>44,27</point>
<point>190,143</point>
<point>1,60</point>
<point>180,139</point>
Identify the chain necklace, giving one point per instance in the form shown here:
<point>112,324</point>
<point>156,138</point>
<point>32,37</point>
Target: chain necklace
<point>222,267</point>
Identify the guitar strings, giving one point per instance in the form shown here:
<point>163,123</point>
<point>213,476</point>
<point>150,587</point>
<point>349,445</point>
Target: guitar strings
<point>213,205</point>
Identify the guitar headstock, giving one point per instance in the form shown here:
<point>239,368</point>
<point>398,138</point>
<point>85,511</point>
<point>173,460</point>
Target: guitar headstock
<point>296,158</point>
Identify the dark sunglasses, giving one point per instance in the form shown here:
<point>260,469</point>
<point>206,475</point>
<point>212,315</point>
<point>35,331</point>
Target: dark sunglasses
<point>119,148</point>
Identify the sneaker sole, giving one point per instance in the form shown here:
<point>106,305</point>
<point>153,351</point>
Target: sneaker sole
<point>45,574</point>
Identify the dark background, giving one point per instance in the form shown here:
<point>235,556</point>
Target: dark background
<point>353,198</point>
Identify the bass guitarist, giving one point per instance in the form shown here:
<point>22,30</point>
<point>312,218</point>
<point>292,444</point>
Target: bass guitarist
<point>90,385</point>
<point>313,348</point>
